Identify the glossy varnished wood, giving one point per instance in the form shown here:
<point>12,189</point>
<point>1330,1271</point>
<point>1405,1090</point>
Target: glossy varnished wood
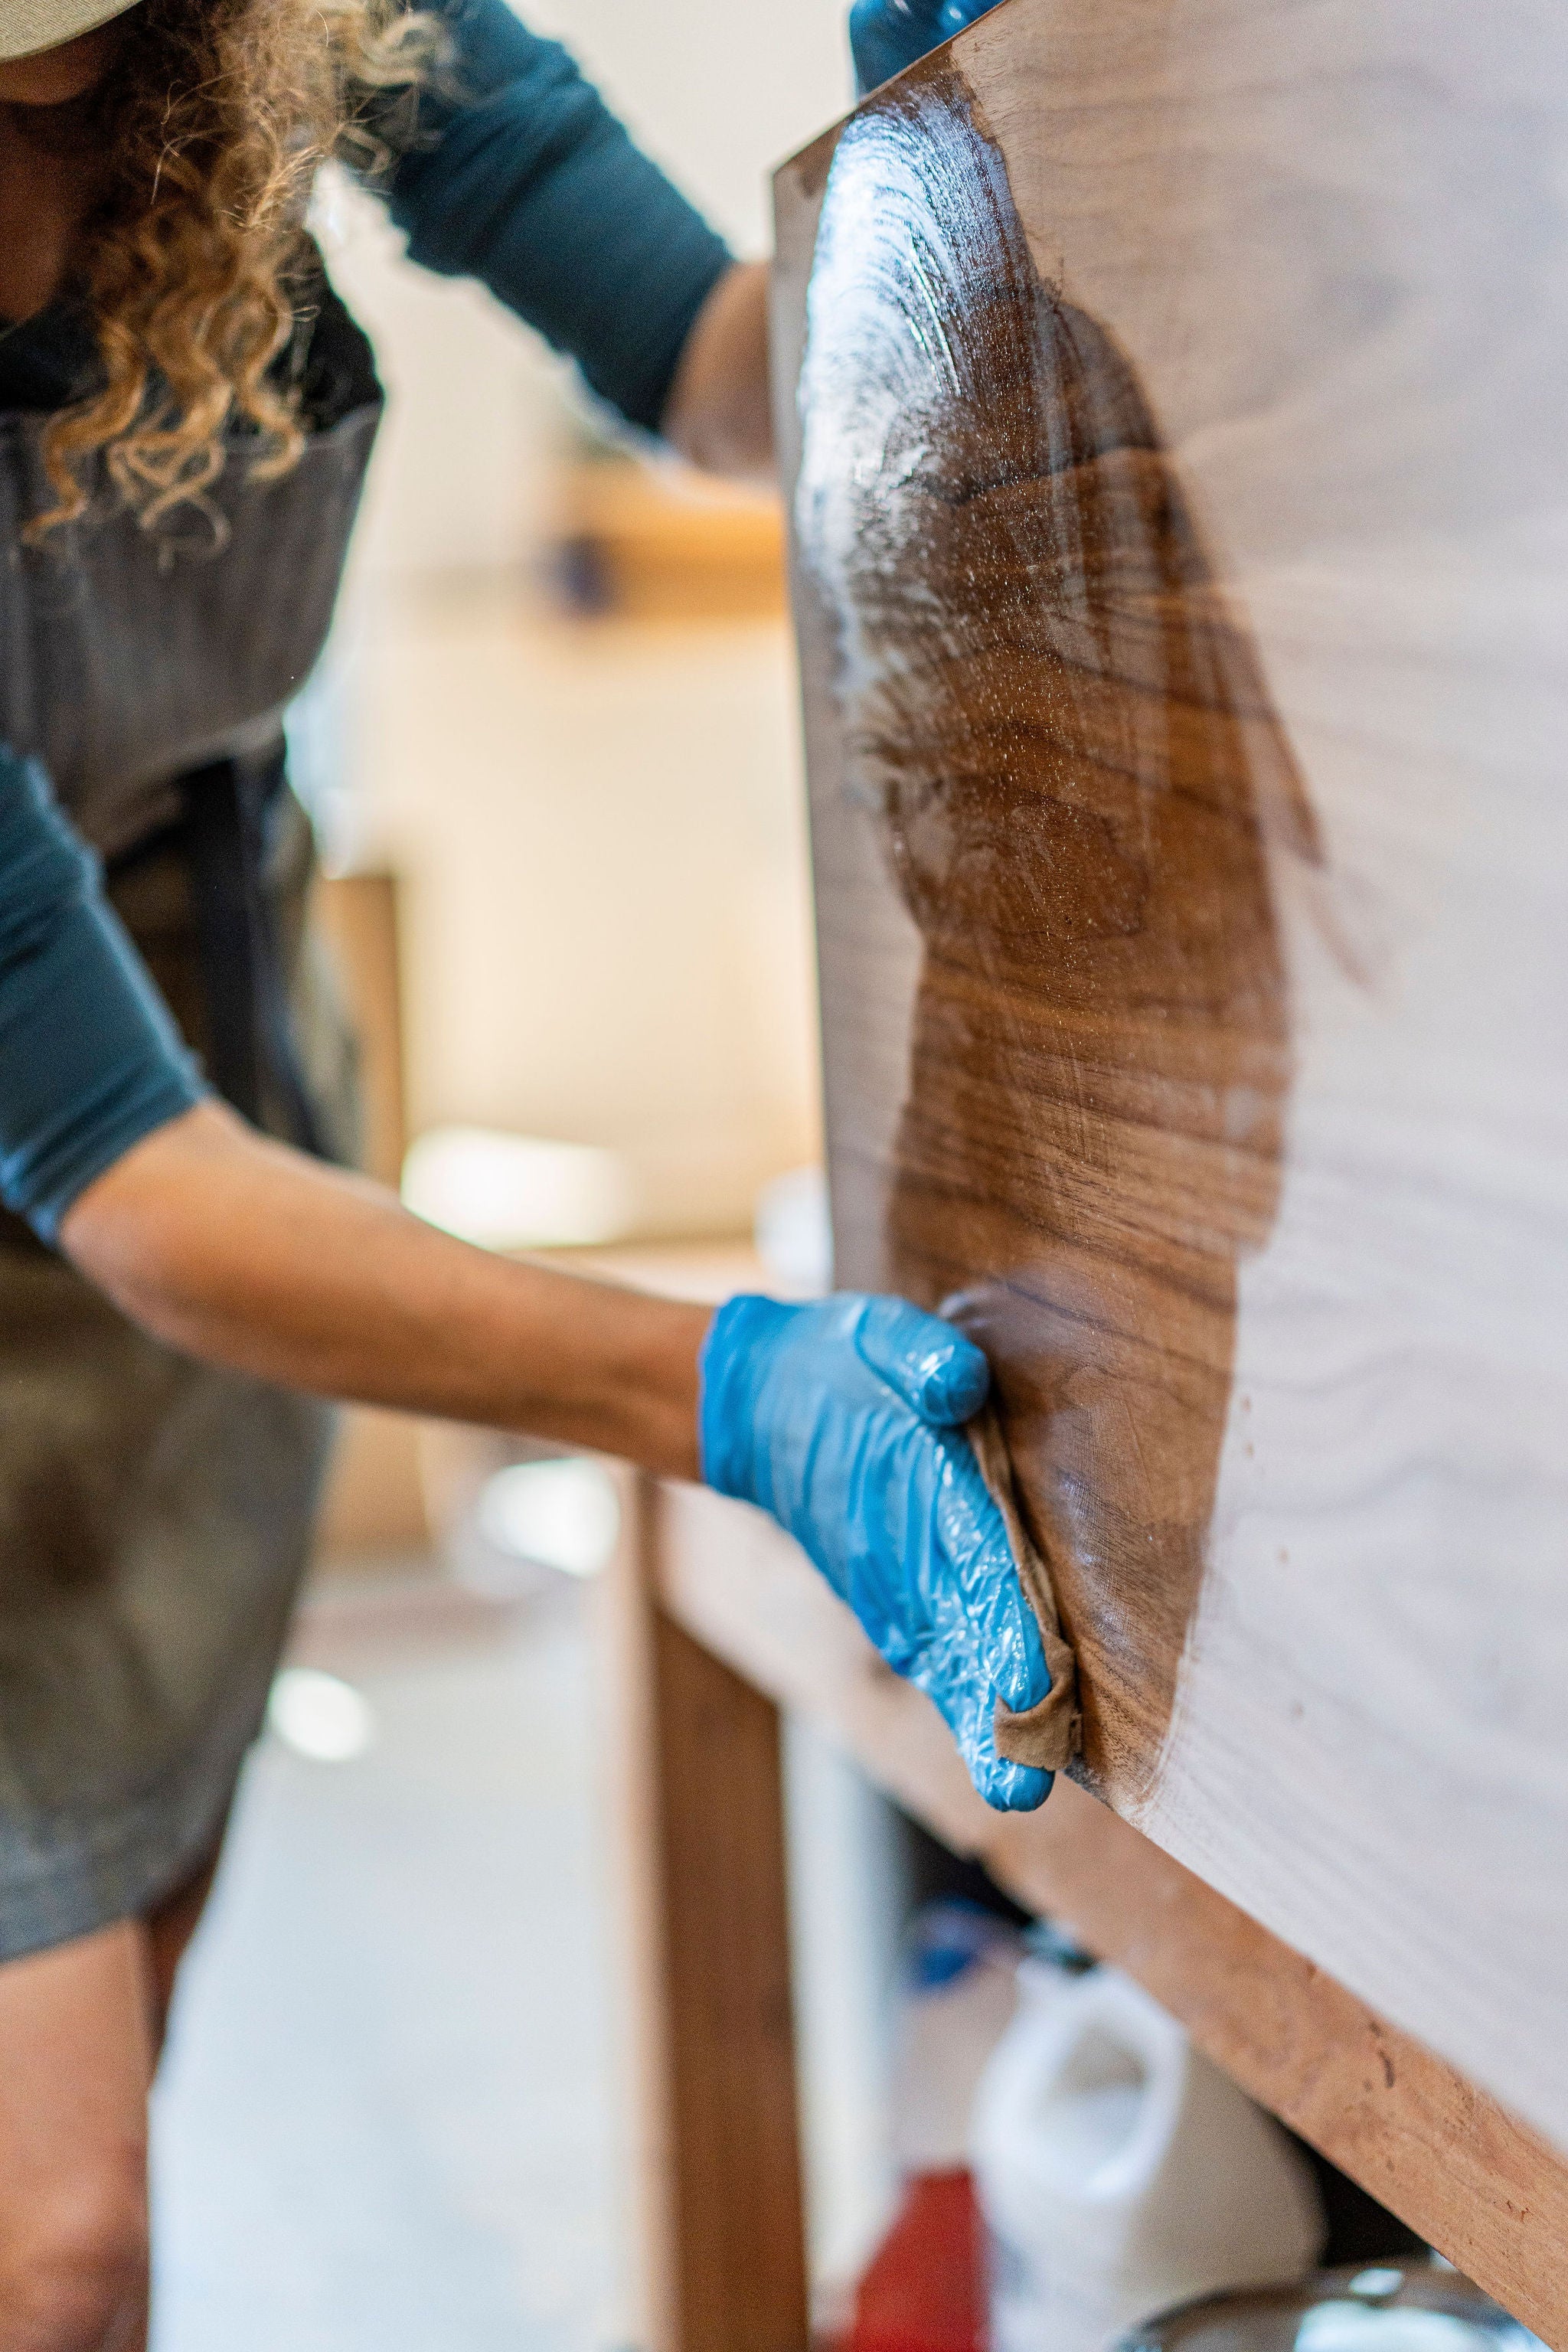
<point>1181,513</point>
<point>1060,739</point>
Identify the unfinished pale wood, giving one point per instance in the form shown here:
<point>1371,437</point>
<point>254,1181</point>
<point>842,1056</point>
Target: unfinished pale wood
<point>1263,510</point>
<point>1476,2182</point>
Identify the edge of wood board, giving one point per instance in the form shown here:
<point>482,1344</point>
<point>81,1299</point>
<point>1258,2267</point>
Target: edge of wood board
<point>1485,2189</point>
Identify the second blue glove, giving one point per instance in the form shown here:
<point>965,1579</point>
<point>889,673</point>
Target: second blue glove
<point>885,36</point>
<point>843,1420</point>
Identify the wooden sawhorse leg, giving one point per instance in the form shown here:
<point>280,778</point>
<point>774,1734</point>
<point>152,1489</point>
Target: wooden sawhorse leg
<point>702,1861</point>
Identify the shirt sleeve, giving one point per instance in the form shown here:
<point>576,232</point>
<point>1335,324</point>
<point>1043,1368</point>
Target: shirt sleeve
<point>520,175</point>
<point>91,1060</point>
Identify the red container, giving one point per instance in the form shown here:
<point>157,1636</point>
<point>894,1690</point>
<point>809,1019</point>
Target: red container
<point>925,2289</point>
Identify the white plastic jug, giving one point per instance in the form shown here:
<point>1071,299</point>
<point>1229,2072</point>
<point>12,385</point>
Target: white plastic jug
<point>959,1990</point>
<point>1118,2171</point>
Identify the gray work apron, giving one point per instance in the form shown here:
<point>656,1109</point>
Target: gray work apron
<point>155,1514</point>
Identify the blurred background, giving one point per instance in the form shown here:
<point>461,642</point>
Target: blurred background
<point>553,759</point>
<point>561,706</point>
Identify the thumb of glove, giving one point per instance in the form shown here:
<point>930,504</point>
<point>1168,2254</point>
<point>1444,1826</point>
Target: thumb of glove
<point>885,36</point>
<point>936,1371</point>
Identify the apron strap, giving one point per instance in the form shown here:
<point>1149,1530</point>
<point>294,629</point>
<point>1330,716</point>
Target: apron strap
<point>254,1061</point>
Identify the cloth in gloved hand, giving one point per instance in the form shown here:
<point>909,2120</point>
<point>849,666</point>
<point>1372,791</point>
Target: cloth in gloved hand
<point>1049,1734</point>
<point>885,36</point>
<point>845,1421</point>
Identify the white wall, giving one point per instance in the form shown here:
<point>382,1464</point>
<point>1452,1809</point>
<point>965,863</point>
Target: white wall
<point>474,409</point>
<point>719,91</point>
<point>608,925</point>
<point>608,928</point>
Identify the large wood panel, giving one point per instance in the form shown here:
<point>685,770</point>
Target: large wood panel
<point>1176,410</point>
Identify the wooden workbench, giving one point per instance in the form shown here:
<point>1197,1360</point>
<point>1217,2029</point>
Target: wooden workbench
<point>714,1623</point>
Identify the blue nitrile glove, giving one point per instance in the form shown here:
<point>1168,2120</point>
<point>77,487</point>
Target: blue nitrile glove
<point>842,1419</point>
<point>885,36</point>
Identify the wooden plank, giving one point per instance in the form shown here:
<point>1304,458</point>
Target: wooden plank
<point>359,915</point>
<point>373,1502</point>
<point>374,1507</point>
<point>1452,2162</point>
<point>696,1762</point>
<point>1180,566</point>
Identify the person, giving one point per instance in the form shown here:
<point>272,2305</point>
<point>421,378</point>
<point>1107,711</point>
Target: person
<point>187,1270</point>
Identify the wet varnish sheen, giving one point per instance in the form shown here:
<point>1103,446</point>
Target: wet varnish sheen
<point>1064,746</point>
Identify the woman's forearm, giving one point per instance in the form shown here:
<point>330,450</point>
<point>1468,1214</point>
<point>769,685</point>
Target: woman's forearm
<point>248,1254</point>
<point>719,412</point>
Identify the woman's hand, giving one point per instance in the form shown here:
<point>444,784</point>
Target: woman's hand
<point>885,36</point>
<point>843,1420</point>
<point>719,414</point>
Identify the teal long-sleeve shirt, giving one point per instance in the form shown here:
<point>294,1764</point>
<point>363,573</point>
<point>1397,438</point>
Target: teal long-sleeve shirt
<point>90,1060</point>
<point>521,177</point>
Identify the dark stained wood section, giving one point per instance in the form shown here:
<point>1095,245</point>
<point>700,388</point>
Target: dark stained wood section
<point>1453,2163</point>
<point>1064,749</point>
<point>697,1756</point>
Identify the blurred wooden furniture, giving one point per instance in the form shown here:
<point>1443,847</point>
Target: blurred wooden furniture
<point>1172,405</point>
<point>358,916</point>
<point>375,1504</point>
<point>662,543</point>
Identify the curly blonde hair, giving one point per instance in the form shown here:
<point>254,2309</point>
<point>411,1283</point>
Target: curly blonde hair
<point>192,259</point>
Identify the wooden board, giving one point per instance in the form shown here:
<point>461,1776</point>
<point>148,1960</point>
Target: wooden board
<point>360,916</point>
<point>1176,410</point>
<point>1469,2176</point>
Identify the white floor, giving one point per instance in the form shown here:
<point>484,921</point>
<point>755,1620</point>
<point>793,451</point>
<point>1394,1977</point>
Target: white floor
<point>386,2121</point>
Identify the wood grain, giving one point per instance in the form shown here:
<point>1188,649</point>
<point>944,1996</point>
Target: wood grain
<point>701,1870</point>
<point>1453,2163</point>
<point>1063,744</point>
<point>1181,512</point>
